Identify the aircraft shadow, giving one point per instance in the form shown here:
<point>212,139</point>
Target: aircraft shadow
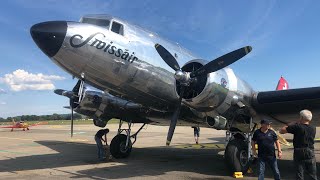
<point>68,154</point>
<point>161,160</point>
<point>142,162</point>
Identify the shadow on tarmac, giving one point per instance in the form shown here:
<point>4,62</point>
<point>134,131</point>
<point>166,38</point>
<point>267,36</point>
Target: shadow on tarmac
<point>142,162</point>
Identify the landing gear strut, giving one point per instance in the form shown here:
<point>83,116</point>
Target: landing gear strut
<point>238,154</point>
<point>121,145</point>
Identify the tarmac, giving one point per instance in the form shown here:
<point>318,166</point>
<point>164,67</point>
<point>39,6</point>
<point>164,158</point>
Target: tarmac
<point>48,152</point>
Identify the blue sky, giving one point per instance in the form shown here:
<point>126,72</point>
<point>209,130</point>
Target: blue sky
<point>284,35</point>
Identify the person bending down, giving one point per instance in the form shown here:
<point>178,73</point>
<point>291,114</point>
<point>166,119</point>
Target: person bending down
<point>100,136</point>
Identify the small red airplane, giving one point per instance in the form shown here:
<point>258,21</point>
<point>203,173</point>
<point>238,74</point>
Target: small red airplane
<point>23,125</point>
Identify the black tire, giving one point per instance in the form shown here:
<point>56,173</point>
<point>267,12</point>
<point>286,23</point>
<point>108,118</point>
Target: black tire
<point>236,156</point>
<point>117,146</point>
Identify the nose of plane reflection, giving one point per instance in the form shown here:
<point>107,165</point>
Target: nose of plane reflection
<point>49,36</point>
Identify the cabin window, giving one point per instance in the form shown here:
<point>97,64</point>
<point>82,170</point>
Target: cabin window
<point>117,28</point>
<point>98,22</point>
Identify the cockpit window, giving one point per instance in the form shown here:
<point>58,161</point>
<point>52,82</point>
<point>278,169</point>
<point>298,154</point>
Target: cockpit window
<point>117,28</point>
<point>98,22</point>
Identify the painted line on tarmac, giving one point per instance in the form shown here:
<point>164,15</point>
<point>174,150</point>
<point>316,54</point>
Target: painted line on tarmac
<point>78,133</point>
<point>200,146</point>
<point>56,126</point>
<point>13,152</point>
<point>17,138</point>
<point>208,146</point>
<point>78,140</point>
<point>29,144</point>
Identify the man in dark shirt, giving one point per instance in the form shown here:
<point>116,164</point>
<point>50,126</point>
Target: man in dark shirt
<point>99,138</point>
<point>266,139</point>
<point>303,140</point>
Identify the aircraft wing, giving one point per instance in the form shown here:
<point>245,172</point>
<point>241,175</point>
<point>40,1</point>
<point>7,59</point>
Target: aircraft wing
<point>284,106</point>
<point>9,127</point>
<point>39,123</point>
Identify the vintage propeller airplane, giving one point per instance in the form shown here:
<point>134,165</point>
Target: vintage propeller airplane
<point>22,125</point>
<point>146,79</point>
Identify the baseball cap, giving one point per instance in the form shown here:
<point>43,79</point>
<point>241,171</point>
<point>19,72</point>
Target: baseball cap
<point>265,121</point>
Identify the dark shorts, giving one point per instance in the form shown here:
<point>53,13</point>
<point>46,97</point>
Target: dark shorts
<point>196,133</point>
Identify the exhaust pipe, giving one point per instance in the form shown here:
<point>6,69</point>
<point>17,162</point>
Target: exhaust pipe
<point>217,122</point>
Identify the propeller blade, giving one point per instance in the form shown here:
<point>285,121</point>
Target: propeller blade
<point>62,92</point>
<point>174,119</point>
<point>167,57</point>
<point>76,93</point>
<point>71,121</point>
<point>77,86</point>
<point>59,91</point>
<point>222,61</point>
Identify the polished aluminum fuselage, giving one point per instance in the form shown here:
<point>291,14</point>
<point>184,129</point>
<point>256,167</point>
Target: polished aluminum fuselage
<point>129,66</point>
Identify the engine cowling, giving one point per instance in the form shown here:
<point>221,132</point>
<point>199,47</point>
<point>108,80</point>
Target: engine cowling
<point>207,92</point>
<point>104,106</point>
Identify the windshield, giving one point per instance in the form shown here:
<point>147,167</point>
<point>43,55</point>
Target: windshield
<point>98,22</point>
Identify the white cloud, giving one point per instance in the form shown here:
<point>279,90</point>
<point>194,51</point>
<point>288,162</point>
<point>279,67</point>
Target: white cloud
<point>3,103</point>
<point>20,80</point>
<point>2,91</point>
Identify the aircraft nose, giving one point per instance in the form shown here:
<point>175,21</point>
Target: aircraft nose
<point>49,36</point>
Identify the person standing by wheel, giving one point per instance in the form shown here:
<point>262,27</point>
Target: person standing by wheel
<point>100,136</point>
<point>266,139</point>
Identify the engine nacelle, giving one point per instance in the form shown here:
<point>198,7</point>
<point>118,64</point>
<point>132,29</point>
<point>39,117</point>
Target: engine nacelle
<point>207,92</point>
<point>103,106</point>
<point>99,122</point>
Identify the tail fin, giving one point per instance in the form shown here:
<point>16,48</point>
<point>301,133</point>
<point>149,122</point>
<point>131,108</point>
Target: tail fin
<point>13,122</point>
<point>282,84</point>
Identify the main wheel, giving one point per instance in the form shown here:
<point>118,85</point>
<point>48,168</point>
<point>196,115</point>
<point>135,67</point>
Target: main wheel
<point>118,146</point>
<point>236,156</point>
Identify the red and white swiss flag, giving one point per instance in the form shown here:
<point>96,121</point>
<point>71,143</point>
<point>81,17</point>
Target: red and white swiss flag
<point>282,84</point>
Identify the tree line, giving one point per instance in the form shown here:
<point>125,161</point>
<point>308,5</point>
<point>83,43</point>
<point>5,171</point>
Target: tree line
<point>44,117</point>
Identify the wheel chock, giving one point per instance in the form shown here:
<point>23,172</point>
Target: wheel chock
<point>237,175</point>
